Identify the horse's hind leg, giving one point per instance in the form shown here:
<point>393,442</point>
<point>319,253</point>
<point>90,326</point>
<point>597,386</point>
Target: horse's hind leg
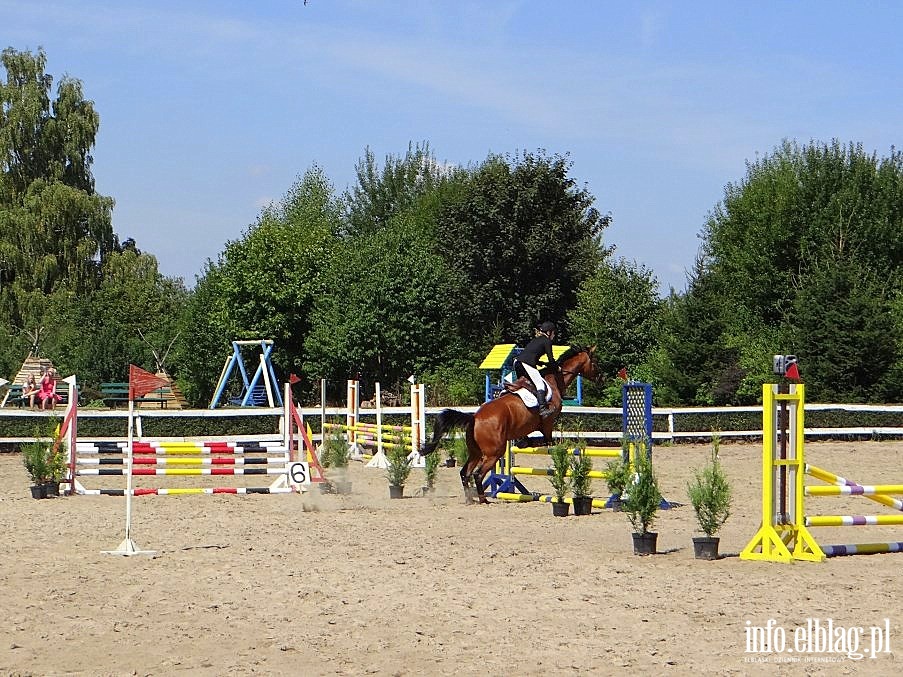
<point>470,494</point>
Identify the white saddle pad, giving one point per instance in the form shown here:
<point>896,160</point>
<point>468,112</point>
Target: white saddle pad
<point>528,397</point>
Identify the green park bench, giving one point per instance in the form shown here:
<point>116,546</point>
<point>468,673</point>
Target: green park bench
<point>14,395</point>
<point>113,394</point>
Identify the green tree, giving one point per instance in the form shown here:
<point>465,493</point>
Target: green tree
<point>694,357</point>
<point>263,286</point>
<point>777,251</point>
<point>54,229</point>
<point>525,237</point>
<point>391,309</point>
<point>617,311</point>
<point>845,335</point>
<point>133,312</point>
<point>399,186</point>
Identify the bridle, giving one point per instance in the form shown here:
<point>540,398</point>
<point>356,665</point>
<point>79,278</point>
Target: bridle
<point>598,378</point>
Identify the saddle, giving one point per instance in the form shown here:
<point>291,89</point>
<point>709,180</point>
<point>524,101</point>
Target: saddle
<point>514,386</point>
<point>522,388</point>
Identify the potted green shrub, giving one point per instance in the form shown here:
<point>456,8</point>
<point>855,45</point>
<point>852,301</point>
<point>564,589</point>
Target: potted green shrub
<point>460,451</point>
<point>560,479</point>
<point>430,471</point>
<point>581,482</point>
<point>334,457</point>
<point>398,469</point>
<point>617,475</point>
<point>641,501</point>
<point>710,495</point>
<point>55,459</point>
<point>56,471</point>
<point>37,464</point>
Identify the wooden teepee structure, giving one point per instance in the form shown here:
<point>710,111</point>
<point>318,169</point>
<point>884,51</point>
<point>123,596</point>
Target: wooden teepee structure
<point>173,396</point>
<point>33,365</point>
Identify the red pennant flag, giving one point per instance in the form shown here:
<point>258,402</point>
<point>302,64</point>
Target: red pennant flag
<point>792,372</point>
<point>623,374</point>
<point>142,382</point>
<point>293,379</point>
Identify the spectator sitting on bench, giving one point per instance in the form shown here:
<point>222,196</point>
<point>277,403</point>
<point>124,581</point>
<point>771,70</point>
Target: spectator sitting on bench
<point>30,390</point>
<point>48,393</point>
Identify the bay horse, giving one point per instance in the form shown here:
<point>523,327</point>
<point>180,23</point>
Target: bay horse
<point>506,418</point>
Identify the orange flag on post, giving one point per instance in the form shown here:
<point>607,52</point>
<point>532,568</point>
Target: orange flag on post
<point>142,382</point>
<point>793,372</point>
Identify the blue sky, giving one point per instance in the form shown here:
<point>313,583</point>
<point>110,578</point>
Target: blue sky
<point>211,109</point>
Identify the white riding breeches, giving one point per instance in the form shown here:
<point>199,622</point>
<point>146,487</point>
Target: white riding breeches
<point>538,381</point>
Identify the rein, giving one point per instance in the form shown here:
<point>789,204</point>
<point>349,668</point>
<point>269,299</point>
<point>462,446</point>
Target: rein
<point>577,373</point>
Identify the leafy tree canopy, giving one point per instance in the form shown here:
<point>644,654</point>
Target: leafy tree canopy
<point>802,256</point>
<point>54,229</point>
<point>525,238</point>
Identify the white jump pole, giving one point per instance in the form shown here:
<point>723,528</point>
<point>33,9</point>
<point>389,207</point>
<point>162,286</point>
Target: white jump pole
<point>322,412</point>
<point>351,417</point>
<point>379,459</point>
<point>418,418</point>
<point>128,548</point>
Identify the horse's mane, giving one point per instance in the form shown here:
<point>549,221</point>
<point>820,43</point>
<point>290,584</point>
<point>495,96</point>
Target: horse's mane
<point>565,356</point>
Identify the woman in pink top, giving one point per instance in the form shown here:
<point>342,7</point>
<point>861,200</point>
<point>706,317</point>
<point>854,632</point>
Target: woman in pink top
<point>47,393</point>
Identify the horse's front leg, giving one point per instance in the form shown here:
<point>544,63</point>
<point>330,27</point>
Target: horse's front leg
<point>547,425</point>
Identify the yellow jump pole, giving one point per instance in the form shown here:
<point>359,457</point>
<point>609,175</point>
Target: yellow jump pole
<point>782,535</point>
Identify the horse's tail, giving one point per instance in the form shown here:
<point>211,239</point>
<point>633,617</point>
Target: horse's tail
<point>448,420</point>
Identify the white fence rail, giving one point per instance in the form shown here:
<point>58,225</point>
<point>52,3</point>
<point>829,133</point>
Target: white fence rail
<point>668,426</point>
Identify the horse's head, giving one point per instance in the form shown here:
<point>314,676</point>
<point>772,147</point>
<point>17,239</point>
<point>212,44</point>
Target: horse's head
<point>591,370</point>
<point>581,361</point>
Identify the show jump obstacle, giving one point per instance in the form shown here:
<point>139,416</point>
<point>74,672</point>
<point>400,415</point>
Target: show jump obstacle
<point>784,535</point>
<point>636,429</point>
<point>238,466</point>
<point>372,438</point>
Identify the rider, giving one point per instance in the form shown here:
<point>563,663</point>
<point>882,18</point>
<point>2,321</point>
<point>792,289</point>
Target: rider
<point>525,365</point>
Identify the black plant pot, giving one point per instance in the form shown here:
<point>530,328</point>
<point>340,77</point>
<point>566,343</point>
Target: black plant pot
<point>38,491</point>
<point>450,463</point>
<point>583,505</point>
<point>706,547</point>
<point>52,488</point>
<point>396,491</point>
<point>644,544</point>
<point>560,509</point>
